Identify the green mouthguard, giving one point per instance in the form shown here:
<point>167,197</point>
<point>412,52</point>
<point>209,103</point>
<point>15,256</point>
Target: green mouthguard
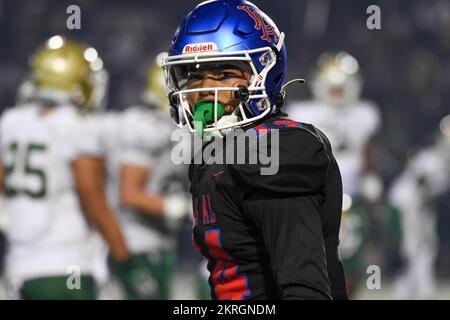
<point>204,115</point>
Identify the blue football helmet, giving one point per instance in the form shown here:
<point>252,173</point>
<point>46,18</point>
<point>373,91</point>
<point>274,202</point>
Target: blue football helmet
<point>221,33</point>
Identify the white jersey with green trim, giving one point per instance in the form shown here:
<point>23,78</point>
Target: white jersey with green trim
<point>426,176</point>
<point>143,141</point>
<point>46,229</point>
<point>349,128</point>
<point>107,126</point>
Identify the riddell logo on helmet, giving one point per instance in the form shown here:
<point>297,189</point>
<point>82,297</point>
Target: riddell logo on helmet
<point>200,47</point>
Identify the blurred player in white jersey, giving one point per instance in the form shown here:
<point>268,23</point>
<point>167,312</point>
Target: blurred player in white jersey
<point>151,190</point>
<point>50,172</point>
<point>350,123</point>
<point>425,177</point>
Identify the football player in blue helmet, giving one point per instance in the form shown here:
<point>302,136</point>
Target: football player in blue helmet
<point>237,36</point>
<point>271,236</point>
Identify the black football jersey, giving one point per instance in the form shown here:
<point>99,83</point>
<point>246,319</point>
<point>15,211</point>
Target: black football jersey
<point>272,236</point>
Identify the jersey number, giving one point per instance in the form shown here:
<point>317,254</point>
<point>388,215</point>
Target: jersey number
<point>27,168</point>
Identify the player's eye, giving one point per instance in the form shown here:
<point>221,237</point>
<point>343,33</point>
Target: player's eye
<point>225,75</point>
<point>229,75</point>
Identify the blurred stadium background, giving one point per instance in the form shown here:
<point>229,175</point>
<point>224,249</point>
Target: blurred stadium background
<point>406,67</point>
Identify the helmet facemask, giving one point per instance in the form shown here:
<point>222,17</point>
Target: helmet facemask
<point>252,102</point>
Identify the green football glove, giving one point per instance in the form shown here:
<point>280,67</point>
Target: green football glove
<point>136,278</point>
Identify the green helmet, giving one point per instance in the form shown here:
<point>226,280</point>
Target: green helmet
<point>155,89</point>
<point>64,71</point>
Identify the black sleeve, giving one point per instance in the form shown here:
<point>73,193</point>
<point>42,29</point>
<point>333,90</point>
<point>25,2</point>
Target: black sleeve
<point>331,221</point>
<point>285,208</point>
